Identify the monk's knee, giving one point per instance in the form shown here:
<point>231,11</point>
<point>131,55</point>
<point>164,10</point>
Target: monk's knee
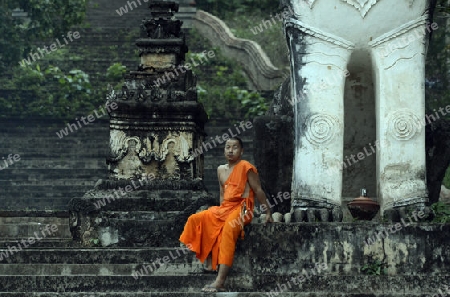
<point>196,217</point>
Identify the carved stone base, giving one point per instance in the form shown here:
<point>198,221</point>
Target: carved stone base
<point>153,216</point>
<point>314,211</point>
<point>397,214</point>
<point>313,214</point>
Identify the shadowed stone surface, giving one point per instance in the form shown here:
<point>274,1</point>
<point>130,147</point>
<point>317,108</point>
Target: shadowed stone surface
<point>267,260</point>
<point>438,156</point>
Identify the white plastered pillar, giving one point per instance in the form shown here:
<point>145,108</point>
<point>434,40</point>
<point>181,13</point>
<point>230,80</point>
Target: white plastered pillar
<point>399,69</point>
<point>318,62</point>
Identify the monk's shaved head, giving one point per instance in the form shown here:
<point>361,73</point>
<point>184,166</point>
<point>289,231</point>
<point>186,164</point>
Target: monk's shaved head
<point>238,139</point>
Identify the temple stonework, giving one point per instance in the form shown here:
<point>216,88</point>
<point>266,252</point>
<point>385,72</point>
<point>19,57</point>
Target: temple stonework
<point>154,177</point>
<point>374,103</point>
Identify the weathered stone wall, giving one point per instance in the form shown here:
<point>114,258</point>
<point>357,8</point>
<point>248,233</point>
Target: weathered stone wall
<point>413,248</point>
<point>416,255</point>
<point>267,260</point>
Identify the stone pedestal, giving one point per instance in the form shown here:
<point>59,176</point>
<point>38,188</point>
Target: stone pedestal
<point>155,180</point>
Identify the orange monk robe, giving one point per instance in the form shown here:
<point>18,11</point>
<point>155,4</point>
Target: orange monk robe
<point>217,229</point>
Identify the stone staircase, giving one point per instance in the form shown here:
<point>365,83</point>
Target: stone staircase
<point>103,13</point>
<point>265,262</point>
<point>51,171</point>
<point>36,190</point>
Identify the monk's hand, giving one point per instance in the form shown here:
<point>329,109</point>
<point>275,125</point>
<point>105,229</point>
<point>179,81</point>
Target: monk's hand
<point>269,218</point>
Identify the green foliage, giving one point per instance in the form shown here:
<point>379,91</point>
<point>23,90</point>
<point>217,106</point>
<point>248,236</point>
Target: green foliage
<point>243,16</point>
<point>94,242</point>
<point>45,20</point>
<point>441,212</point>
<point>374,267</point>
<point>231,102</point>
<point>221,86</point>
<point>65,94</point>
<point>446,181</point>
<point>222,7</point>
<point>251,102</point>
<point>115,74</point>
<point>271,40</point>
<point>437,66</point>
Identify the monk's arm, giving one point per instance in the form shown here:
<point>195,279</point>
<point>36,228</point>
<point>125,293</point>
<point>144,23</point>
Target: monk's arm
<point>220,185</point>
<point>255,184</point>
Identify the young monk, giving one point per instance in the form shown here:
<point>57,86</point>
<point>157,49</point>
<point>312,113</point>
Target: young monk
<point>212,233</point>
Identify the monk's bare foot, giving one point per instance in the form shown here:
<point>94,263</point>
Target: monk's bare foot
<point>213,288</point>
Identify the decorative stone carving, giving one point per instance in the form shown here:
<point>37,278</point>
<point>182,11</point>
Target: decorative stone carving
<point>319,34</point>
<point>402,43</point>
<point>403,124</point>
<point>321,128</point>
<point>151,149</point>
<point>117,145</point>
<point>363,6</point>
<point>310,3</point>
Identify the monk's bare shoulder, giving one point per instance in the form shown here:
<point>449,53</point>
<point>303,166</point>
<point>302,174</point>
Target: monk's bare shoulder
<point>221,168</point>
<point>221,171</point>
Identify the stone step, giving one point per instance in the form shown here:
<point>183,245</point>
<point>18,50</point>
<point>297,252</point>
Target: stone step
<point>144,203</point>
<point>125,270</point>
<point>49,132</point>
<point>51,144</point>
<point>52,141</point>
<point>49,242</point>
<point>49,129</point>
<point>97,256</point>
<point>55,201</point>
<point>66,151</point>
<point>47,183</point>
<point>20,127</point>
<point>196,294</point>
<point>29,228</point>
<point>50,174</point>
<point>44,188</point>
<point>32,220</point>
<point>353,284</point>
<point>14,196</point>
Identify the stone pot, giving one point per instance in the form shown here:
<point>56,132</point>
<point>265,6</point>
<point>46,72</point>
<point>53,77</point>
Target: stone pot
<point>363,208</point>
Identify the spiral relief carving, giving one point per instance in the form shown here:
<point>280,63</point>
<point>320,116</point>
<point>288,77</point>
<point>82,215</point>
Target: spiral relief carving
<point>321,128</point>
<point>403,124</point>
